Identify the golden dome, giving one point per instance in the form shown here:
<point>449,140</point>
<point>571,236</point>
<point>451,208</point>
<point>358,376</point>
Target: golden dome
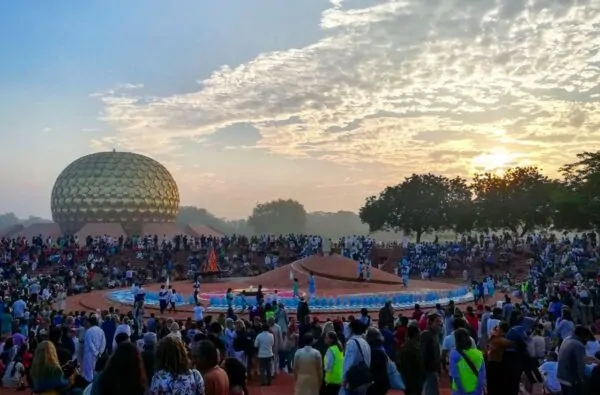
<point>120,187</point>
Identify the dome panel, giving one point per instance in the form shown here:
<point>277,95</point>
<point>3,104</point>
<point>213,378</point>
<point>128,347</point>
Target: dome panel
<point>114,186</point>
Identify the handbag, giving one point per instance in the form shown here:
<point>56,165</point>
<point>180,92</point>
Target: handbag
<point>359,374</point>
<point>394,376</point>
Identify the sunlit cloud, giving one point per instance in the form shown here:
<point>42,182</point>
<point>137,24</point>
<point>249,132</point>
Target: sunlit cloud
<point>452,86</point>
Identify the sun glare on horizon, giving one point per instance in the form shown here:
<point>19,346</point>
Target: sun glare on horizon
<point>497,160</point>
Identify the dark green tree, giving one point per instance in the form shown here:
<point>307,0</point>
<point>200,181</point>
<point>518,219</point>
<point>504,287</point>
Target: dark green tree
<point>578,201</point>
<point>278,217</point>
<point>420,204</point>
<point>460,213</point>
<point>520,199</point>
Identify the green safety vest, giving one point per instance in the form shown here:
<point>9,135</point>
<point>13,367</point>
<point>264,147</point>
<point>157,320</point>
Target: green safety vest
<point>269,314</point>
<point>466,376</point>
<point>335,375</point>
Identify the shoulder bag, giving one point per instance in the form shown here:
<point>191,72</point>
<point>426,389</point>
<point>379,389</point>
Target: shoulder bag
<point>359,374</point>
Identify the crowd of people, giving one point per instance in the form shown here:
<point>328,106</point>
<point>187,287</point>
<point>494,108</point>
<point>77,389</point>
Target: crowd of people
<point>539,337</point>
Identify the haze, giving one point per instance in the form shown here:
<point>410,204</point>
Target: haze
<point>321,101</point>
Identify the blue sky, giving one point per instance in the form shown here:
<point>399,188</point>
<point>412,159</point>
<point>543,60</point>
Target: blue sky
<point>322,101</point>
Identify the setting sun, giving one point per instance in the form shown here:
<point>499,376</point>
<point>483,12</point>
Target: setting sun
<point>496,160</point>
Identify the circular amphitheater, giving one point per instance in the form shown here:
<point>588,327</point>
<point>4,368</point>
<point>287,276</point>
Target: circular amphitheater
<point>337,290</point>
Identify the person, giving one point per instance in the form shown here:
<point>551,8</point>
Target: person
<point>571,361</point>
<point>467,368</point>
<point>594,380</point>
<point>564,325</point>
<point>174,374</point>
<point>277,346</point>
<point>496,364</point>
<point>264,342</point>
<point>308,368</point>
<point>64,355</point>
<point>236,373</point>
<point>123,327</point>
<point>46,373</point>
<point>357,352</point>
<point>386,316</point>
<point>449,342</point>
<point>94,344</point>
<point>148,354</point>
<point>409,363</point>
<point>333,364</point>
<point>548,369</point>
<point>312,286</point>
<point>206,359</point>
<point>14,374</point>
<point>122,375</point>
<point>430,354</point>
<point>379,363</point>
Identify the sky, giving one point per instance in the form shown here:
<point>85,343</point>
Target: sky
<point>323,101</point>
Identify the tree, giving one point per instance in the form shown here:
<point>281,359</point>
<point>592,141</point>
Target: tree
<point>7,220</point>
<point>189,215</point>
<point>569,208</point>
<point>460,213</point>
<point>578,200</point>
<point>421,203</point>
<point>520,199</point>
<point>278,217</point>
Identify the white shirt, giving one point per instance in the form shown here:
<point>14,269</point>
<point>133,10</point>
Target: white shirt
<point>264,342</point>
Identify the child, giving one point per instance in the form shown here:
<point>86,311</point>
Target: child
<point>548,369</point>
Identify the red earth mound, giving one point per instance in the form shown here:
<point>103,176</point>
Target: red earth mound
<point>280,279</point>
<point>336,267</point>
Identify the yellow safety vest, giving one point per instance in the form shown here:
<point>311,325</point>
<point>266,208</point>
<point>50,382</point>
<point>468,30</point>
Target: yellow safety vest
<point>335,375</point>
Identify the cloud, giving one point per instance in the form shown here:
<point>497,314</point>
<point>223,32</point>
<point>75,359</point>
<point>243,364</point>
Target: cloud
<point>406,84</point>
<point>46,129</point>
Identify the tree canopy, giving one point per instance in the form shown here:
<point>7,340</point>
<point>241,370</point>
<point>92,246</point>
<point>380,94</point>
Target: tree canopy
<point>421,203</point>
<point>279,217</point>
<point>519,199</point>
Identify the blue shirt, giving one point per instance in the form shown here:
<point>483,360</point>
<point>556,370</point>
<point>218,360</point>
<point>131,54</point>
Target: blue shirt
<point>19,308</point>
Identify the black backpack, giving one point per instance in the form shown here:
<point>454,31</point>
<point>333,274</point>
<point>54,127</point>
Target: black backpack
<point>359,374</point>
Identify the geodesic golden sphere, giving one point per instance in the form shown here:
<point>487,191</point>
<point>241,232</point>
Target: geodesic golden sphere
<point>121,187</point>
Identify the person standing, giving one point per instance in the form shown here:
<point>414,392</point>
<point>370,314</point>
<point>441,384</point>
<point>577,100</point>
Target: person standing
<point>430,354</point>
<point>571,361</point>
<point>206,359</point>
<point>94,344</point>
<point>264,342</point>
<point>357,353</point>
<point>308,368</point>
<point>467,368</point>
<point>312,285</point>
<point>333,364</point>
